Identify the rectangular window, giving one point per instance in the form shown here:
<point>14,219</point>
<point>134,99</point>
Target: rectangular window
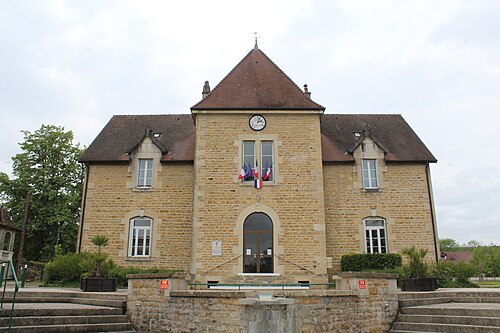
<point>267,161</point>
<point>375,236</point>
<point>369,170</point>
<point>140,237</point>
<point>145,173</point>
<point>249,158</point>
<point>261,152</point>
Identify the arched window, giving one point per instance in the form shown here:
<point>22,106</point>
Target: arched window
<point>140,237</point>
<point>258,244</point>
<point>6,241</point>
<point>375,235</point>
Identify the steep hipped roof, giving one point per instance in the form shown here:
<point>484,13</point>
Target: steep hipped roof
<point>5,220</point>
<point>176,135</point>
<point>391,132</point>
<point>177,138</point>
<point>256,83</point>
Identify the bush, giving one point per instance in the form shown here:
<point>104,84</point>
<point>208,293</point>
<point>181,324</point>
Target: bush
<point>64,268</point>
<point>96,261</point>
<point>454,275</point>
<point>370,261</point>
<point>415,267</point>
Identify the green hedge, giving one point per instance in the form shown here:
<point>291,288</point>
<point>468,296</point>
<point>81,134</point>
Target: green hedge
<point>65,268</point>
<point>370,261</point>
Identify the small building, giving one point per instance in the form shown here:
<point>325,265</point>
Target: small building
<point>256,184</point>
<point>7,236</point>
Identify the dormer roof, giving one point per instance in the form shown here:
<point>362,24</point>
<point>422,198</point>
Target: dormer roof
<point>5,220</point>
<point>341,133</point>
<point>173,134</point>
<point>257,83</point>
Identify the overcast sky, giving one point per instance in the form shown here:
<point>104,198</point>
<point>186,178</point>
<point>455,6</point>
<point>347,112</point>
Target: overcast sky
<point>437,63</point>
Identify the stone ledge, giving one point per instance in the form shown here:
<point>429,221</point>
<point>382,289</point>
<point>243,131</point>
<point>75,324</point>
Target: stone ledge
<point>368,275</point>
<point>146,276</point>
<point>209,294</point>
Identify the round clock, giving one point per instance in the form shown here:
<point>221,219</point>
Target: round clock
<point>257,122</point>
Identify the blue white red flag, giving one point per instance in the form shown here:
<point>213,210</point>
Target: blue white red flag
<point>258,183</point>
<point>256,171</point>
<point>248,175</point>
<point>243,172</point>
<point>267,174</point>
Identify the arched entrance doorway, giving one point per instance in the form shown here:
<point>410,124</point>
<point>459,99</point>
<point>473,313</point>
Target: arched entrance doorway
<point>258,244</point>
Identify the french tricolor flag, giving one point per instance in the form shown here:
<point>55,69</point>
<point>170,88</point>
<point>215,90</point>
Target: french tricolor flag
<point>267,174</point>
<point>257,180</point>
<point>243,172</point>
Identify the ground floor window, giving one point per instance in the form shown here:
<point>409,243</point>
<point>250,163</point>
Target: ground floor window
<point>258,244</point>
<point>375,235</point>
<point>140,237</point>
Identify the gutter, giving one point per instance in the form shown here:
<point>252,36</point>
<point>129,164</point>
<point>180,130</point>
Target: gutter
<point>84,202</point>
<point>433,211</point>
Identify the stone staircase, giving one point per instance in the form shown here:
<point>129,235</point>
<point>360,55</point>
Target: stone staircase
<point>60,310</point>
<point>449,310</point>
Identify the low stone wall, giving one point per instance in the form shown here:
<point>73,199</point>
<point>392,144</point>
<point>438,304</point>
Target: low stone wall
<point>368,306</point>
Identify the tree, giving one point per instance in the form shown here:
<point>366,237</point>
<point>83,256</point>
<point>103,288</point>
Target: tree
<point>448,244</point>
<point>487,260</point>
<point>47,169</point>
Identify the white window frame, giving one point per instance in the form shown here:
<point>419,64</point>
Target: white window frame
<point>144,173</point>
<point>373,236</point>
<point>257,151</point>
<point>369,173</point>
<point>134,248</point>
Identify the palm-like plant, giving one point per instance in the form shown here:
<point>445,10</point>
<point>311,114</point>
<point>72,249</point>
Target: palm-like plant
<point>99,257</point>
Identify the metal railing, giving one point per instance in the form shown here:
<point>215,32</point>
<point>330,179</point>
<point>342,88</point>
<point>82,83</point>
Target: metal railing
<point>282,286</point>
<point>4,277</point>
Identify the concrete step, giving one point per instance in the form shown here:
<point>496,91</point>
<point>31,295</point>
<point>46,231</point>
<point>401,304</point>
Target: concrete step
<point>57,309</point>
<point>448,328</point>
<point>80,328</point>
<point>450,292</point>
<point>63,320</point>
<point>455,309</point>
<point>451,299</point>
<point>462,320</point>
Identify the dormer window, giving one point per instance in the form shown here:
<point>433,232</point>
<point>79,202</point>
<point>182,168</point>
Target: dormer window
<point>145,173</point>
<point>369,171</point>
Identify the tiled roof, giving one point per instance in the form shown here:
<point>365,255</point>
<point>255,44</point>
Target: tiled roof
<point>392,132</point>
<point>177,138</point>
<point>256,83</point>
<point>5,220</point>
<point>123,133</point>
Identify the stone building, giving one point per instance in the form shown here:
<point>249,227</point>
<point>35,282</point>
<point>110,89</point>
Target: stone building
<point>257,184</point>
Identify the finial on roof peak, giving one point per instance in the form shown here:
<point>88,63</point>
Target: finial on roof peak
<point>256,46</point>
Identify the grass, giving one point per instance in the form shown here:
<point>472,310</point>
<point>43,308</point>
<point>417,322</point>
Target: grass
<point>488,284</point>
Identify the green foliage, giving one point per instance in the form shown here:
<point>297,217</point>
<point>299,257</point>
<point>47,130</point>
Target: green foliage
<point>64,268</point>
<point>448,244</point>
<point>68,269</point>
<point>97,265</point>
<point>487,260</point>
<point>370,261</point>
<point>454,275</point>
<point>47,167</point>
<point>100,241</point>
<point>415,267</point>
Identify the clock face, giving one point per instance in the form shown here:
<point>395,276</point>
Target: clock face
<point>257,122</point>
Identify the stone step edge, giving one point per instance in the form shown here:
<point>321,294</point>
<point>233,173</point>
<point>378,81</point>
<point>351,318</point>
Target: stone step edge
<point>72,326</point>
<point>448,325</point>
<point>114,316</point>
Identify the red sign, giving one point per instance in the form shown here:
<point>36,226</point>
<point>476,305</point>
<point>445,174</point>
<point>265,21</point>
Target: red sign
<point>163,284</point>
<point>362,284</point>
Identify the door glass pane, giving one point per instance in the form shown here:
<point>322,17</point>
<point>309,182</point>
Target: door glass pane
<point>250,253</point>
<point>266,252</point>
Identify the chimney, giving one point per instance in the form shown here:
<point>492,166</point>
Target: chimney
<point>306,92</point>
<point>206,90</point>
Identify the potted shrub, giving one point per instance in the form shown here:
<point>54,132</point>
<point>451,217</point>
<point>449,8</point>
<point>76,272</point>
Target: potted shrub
<point>96,279</point>
<point>416,272</point>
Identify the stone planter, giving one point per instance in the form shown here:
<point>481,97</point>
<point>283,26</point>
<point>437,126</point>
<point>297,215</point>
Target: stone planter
<point>98,284</point>
<point>419,284</point>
